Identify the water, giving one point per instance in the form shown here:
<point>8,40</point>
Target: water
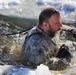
<point>18,16</point>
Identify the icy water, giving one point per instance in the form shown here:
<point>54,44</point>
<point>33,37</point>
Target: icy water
<point>16,17</point>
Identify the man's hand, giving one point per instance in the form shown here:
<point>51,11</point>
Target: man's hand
<point>63,52</point>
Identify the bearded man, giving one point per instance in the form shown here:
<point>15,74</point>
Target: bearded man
<point>38,46</point>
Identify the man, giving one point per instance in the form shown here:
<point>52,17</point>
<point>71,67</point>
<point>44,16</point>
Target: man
<point>38,46</point>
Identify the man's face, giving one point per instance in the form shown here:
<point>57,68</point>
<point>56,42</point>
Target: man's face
<point>54,25</point>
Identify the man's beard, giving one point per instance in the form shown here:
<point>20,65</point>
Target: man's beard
<point>51,33</point>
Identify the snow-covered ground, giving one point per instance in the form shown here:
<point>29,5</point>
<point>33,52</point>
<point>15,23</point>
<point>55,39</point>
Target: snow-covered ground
<point>32,8</point>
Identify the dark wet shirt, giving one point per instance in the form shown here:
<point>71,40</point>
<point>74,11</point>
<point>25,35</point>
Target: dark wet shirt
<point>38,47</point>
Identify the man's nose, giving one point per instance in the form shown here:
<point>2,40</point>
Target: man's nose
<point>60,25</point>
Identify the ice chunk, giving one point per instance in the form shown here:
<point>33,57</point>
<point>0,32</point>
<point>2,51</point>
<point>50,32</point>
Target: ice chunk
<point>42,70</point>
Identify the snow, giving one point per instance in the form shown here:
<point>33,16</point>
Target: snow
<point>4,4</point>
<point>67,7</point>
<point>64,6</point>
<point>41,70</point>
<point>12,70</point>
<point>9,1</point>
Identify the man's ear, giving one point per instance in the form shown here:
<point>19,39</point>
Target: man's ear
<point>45,24</point>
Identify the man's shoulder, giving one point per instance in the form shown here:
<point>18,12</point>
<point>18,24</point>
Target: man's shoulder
<point>33,33</point>
<point>35,37</point>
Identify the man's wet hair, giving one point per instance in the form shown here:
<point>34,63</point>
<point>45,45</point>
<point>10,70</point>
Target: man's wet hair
<point>46,14</point>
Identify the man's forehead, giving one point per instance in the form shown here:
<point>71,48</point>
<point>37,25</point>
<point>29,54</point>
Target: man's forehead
<point>55,17</point>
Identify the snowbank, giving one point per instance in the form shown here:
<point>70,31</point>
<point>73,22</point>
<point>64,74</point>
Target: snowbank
<point>41,70</point>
